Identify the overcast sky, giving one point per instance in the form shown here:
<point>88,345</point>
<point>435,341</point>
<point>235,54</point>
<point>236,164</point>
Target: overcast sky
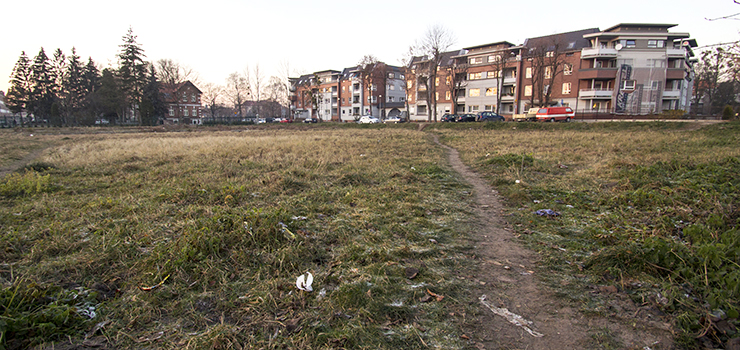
<point>218,37</point>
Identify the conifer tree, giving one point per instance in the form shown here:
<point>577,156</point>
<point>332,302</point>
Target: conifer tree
<point>42,87</point>
<point>132,72</point>
<point>20,85</point>
<point>73,90</point>
<point>152,104</point>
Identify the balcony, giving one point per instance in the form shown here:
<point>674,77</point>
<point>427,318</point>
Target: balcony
<point>671,52</point>
<point>507,98</point>
<point>597,73</point>
<point>509,80</point>
<point>671,94</point>
<point>596,94</point>
<point>591,52</point>
<point>675,73</point>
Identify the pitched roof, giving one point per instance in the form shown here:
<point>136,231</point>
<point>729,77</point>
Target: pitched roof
<point>571,40</point>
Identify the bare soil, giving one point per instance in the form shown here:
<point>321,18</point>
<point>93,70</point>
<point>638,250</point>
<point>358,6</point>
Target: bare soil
<point>510,281</point>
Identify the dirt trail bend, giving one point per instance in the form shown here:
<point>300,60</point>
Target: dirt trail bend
<point>519,311</point>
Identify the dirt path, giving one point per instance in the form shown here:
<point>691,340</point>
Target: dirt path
<point>20,163</point>
<point>520,312</point>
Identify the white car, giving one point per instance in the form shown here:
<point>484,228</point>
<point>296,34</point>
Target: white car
<point>368,119</point>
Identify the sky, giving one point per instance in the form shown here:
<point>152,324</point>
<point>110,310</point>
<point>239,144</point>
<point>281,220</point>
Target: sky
<point>219,37</point>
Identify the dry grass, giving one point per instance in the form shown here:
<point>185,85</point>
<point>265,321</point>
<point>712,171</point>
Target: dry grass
<point>226,221</point>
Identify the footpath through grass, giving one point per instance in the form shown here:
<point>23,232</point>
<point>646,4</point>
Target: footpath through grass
<point>650,208</point>
<point>195,240</point>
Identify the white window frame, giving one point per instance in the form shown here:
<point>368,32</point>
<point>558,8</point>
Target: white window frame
<point>566,88</point>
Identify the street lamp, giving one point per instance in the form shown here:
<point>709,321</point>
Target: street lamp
<point>380,113</point>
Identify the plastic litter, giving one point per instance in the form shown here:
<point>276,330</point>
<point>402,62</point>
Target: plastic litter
<point>547,212</point>
<point>511,317</point>
<point>304,281</point>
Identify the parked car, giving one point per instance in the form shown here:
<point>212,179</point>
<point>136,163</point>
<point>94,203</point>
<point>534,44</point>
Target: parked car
<point>368,119</point>
<point>490,117</point>
<point>261,121</point>
<point>530,116</point>
<point>553,114</point>
<point>449,118</point>
<point>310,120</point>
<point>394,120</point>
<point>286,120</point>
<point>466,118</point>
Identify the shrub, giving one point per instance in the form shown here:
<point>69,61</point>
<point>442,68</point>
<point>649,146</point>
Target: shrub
<point>27,183</point>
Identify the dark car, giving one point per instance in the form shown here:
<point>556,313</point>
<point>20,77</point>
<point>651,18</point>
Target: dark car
<point>490,117</point>
<point>449,118</point>
<point>310,120</point>
<point>466,118</point>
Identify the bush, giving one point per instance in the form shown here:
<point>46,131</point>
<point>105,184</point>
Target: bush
<point>728,113</point>
<point>27,183</point>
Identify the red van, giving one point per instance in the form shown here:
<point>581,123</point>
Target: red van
<point>552,114</point>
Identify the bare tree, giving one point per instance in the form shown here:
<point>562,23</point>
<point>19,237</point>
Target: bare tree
<point>456,80</point>
<point>373,74</point>
<point>257,85</point>
<point>547,62</point>
<point>211,96</point>
<point>171,73</point>
<point>435,42</point>
<point>409,76</point>
<point>237,91</point>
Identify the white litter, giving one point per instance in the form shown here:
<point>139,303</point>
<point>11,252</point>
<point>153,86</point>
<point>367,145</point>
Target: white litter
<point>511,317</point>
<point>304,281</point>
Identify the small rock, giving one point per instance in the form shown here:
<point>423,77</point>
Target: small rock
<point>411,272</point>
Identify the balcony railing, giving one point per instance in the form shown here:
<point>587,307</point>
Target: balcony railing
<point>671,52</point>
<point>601,93</point>
<point>593,52</point>
<point>671,94</point>
<point>509,80</point>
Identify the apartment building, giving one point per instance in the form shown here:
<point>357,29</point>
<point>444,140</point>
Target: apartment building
<point>429,88</point>
<point>636,68</point>
<point>345,96</point>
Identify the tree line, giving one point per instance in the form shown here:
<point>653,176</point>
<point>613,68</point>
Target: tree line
<point>65,91</point>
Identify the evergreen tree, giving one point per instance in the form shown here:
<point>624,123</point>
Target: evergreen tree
<point>90,85</point>
<point>73,90</point>
<point>20,85</point>
<point>152,103</point>
<point>42,88</point>
<point>132,71</point>
<point>110,99</point>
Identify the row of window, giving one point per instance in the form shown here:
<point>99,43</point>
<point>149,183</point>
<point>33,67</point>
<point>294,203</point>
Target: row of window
<point>186,112</point>
<point>192,98</point>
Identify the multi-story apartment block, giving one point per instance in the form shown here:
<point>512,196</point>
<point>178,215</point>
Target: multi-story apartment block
<point>429,88</point>
<point>636,68</point>
<point>347,95</point>
<point>183,103</point>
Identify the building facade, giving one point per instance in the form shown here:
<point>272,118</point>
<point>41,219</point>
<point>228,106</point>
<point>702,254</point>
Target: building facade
<point>183,105</point>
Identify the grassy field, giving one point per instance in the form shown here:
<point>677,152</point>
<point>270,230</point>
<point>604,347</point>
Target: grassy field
<point>194,239</point>
<point>651,208</point>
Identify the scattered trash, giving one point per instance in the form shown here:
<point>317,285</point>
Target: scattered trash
<point>299,218</point>
<point>285,229</point>
<point>517,181</point>
<point>146,289</point>
<point>413,168</point>
<point>433,240</point>
<point>547,212</point>
<point>304,281</point>
<point>511,317</point>
<point>569,206</point>
<point>537,201</point>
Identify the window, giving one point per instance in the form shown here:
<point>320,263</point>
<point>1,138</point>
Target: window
<point>436,96</point>
<point>491,91</point>
<point>629,43</point>
<point>391,98</point>
<point>494,58</point>
<point>390,75</point>
<point>473,109</point>
<point>184,97</point>
<point>528,90</point>
<point>187,112</point>
<point>409,84</point>
<point>528,73</point>
<point>656,63</point>
<point>628,85</point>
<point>402,77</point>
<point>401,99</point>
<point>655,85</point>
<point>566,88</point>
<point>493,74</point>
<point>549,54</point>
<point>391,87</point>
<point>422,110</point>
<point>448,95</point>
<point>192,98</point>
<point>476,60</point>
<point>567,69</point>
<point>448,80</point>
<point>475,76</point>
<point>488,107</point>
<point>172,111</point>
<point>548,72</point>
<point>474,92</point>
<point>655,43</point>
